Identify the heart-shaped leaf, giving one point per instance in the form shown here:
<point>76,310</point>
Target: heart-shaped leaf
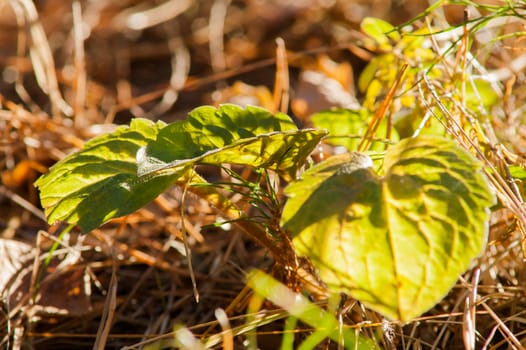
<point>398,242</point>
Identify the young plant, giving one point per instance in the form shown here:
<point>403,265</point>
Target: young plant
<point>393,233</point>
<point>116,174</point>
<point>395,240</point>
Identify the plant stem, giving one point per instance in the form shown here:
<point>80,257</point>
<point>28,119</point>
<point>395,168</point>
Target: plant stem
<point>279,245</point>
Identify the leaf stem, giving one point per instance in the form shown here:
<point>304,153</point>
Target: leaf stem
<point>279,246</point>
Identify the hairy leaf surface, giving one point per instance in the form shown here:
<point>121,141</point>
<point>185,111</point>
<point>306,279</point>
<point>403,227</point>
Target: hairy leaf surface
<point>397,242</point>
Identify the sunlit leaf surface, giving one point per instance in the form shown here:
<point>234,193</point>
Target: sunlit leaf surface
<point>346,128</point>
<point>381,31</point>
<point>230,134</point>
<point>118,173</point>
<point>100,182</point>
<point>398,242</point>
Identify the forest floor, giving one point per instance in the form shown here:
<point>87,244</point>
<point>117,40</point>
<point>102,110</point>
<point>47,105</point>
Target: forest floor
<point>72,70</point>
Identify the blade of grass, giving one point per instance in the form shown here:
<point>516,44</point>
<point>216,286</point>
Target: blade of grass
<point>108,312</point>
<point>228,336</point>
<point>287,341</point>
<point>298,306</point>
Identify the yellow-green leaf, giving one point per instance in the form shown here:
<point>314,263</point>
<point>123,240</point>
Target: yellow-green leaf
<point>398,242</point>
<point>118,173</point>
<point>347,127</point>
<point>100,182</point>
<point>381,31</point>
<point>230,134</point>
<point>480,93</point>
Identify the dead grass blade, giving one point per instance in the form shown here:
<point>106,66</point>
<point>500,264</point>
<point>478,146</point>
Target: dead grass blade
<point>22,202</point>
<point>216,30</point>
<point>80,63</point>
<point>139,18</point>
<point>503,328</point>
<point>381,113</point>
<point>109,311</point>
<point>188,251</point>
<point>228,336</point>
<point>469,320</point>
<point>281,84</point>
<point>41,56</point>
<point>505,192</point>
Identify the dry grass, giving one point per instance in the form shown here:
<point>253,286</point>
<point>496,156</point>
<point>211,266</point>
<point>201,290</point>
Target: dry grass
<point>73,70</point>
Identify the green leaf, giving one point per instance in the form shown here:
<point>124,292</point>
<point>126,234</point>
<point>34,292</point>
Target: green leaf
<point>100,182</point>
<point>381,31</point>
<point>325,323</point>
<point>517,172</point>
<point>208,128</point>
<point>230,134</point>
<point>480,93</point>
<point>368,74</point>
<point>398,242</point>
<point>346,128</point>
<point>118,173</point>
